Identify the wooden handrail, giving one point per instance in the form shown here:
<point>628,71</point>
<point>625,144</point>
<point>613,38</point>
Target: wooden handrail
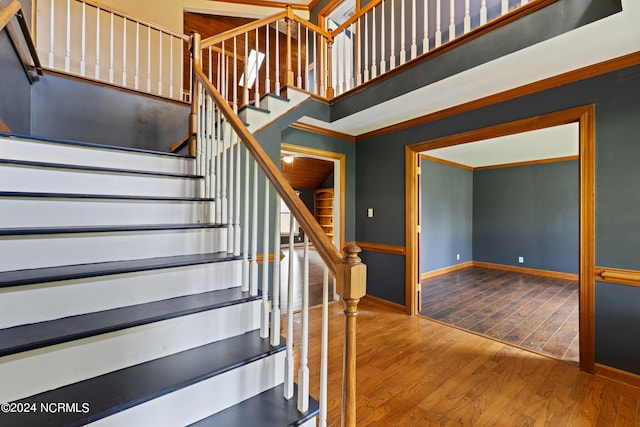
<point>242,29</point>
<point>355,17</point>
<point>329,253</point>
<point>15,9</point>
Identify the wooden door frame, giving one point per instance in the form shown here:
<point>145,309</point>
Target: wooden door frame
<point>585,117</point>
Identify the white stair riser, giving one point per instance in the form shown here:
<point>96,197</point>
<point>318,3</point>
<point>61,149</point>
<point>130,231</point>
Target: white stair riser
<point>42,151</point>
<point>24,252</point>
<point>59,212</point>
<point>204,398</point>
<point>32,303</point>
<point>52,180</point>
<point>256,119</point>
<point>52,367</point>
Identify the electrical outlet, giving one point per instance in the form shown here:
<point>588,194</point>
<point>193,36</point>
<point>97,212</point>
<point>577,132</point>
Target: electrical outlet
<point>521,259</point>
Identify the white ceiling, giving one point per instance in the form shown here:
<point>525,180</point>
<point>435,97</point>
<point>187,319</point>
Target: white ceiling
<point>608,38</point>
<point>548,143</point>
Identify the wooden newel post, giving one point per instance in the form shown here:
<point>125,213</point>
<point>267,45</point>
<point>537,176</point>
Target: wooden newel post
<point>194,47</point>
<point>289,76</point>
<point>351,286</point>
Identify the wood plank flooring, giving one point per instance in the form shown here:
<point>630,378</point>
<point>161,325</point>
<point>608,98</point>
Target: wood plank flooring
<point>316,271</point>
<point>412,371</point>
<point>534,312</point>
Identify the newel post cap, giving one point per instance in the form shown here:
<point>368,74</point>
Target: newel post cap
<point>351,274</point>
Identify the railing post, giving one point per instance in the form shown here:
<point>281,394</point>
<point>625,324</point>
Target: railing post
<point>194,46</point>
<point>289,77</point>
<point>351,286</point>
<point>330,92</point>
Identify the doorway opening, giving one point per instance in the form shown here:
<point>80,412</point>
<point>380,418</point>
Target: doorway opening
<point>582,119</point>
<point>319,177</point>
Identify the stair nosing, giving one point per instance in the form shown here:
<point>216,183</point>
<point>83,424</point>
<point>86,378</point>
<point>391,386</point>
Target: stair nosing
<point>28,194</point>
<point>96,145</point>
<point>178,261</point>
<point>254,108</point>
<point>26,231</point>
<point>276,96</point>
<point>102,169</point>
<point>120,312</point>
<point>136,397</point>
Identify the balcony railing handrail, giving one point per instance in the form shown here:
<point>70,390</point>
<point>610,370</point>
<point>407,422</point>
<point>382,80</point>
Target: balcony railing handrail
<point>355,17</point>
<point>15,9</point>
<point>210,41</point>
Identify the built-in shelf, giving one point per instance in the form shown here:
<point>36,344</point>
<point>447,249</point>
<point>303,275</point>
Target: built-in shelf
<point>323,209</point>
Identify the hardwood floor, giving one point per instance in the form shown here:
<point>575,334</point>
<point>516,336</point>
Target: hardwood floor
<point>533,312</point>
<point>316,269</point>
<point>416,372</point>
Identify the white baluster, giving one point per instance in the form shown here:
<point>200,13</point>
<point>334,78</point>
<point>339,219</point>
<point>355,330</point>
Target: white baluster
<point>346,49</point>
<point>171,63</point>
<point>275,312</point>
<point>67,54</point>
<point>160,64</point>
<point>136,80</point>
<point>52,35</point>
<point>358,64</point>
<point>257,83</point>
<point>315,64</point>
<point>253,288</point>
<point>264,324</point>
<point>97,70</point>
<point>483,12</point>
<point>246,68</point>
<point>148,59</point>
<point>414,46</point>
<point>83,49</point>
<point>218,149</point>
<point>452,20</point>
<point>236,209</point>
<point>366,48</point>
<point>233,138</point>
<point>392,57</point>
<point>246,279</point>
<point>111,50</point>
<point>124,53</point>
<point>523,2</point>
<point>267,80</point>
<point>299,85</point>
<point>303,370</point>
<point>383,63</point>
<point>425,37</point>
<point>277,59</point>
<point>403,52</point>
<point>351,62</point>
<point>289,365</point>
<point>210,56</point>
<point>467,16</point>
<point>505,7</point>
<point>209,140</point>
<point>306,60</point>
<point>324,349</point>
<point>374,35</point>
<point>438,25</point>
<point>223,158</point>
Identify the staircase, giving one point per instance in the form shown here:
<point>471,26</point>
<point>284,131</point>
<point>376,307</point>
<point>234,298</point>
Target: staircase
<point>120,302</point>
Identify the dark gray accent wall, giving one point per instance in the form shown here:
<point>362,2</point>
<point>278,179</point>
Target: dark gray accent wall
<point>530,211</point>
<point>446,215</point>
<point>616,175</point>
<point>15,89</point>
<point>617,326</point>
<point>69,109</point>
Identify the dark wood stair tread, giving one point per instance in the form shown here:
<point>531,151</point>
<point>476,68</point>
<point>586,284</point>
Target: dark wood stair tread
<point>37,335</point>
<point>92,145</point>
<point>267,409</point>
<point>22,231</point>
<point>40,195</point>
<point>100,169</point>
<point>119,390</point>
<point>80,271</point>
